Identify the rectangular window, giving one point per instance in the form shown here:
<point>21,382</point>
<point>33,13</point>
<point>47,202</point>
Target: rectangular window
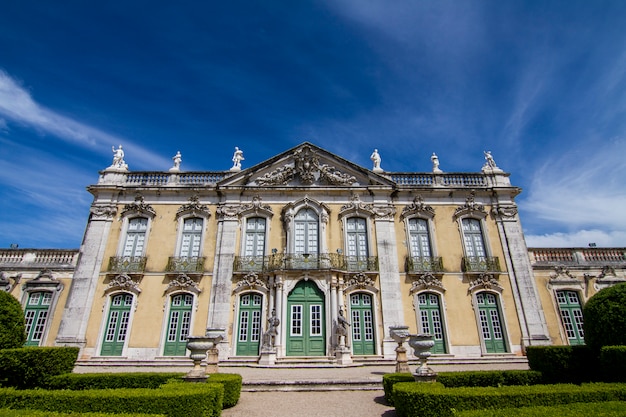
<point>243,326</point>
<point>256,326</point>
<point>296,320</point>
<point>356,326</point>
<point>316,320</point>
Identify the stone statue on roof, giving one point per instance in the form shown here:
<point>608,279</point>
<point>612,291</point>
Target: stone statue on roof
<point>375,157</point>
<point>237,158</point>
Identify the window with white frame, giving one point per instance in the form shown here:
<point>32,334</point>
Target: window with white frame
<point>36,316</point>
<point>473,238</point>
<point>357,237</point>
<point>191,237</point>
<point>255,237</point>
<point>306,232</point>
<point>135,237</point>
<point>419,238</point>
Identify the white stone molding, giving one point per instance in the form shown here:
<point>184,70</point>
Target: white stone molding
<point>607,278</point>
<point>291,209</point>
<point>417,209</point>
<point>102,211</point>
<point>384,212</point>
<point>252,281</point>
<point>227,211</point>
<point>45,280</point>
<point>562,277</point>
<point>471,208</point>
<point>139,206</point>
<point>484,281</point>
<point>193,209</point>
<point>427,282</point>
<point>122,282</point>
<point>5,284</point>
<point>505,213</point>
<point>360,281</point>
<point>356,207</point>
<point>256,207</point>
<point>182,282</point>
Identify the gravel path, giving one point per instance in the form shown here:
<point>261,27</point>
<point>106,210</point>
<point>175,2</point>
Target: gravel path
<point>311,404</point>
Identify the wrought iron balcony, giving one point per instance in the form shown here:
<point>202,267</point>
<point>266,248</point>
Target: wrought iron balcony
<point>186,264</point>
<point>251,263</point>
<point>360,263</point>
<point>420,264</point>
<point>127,264</point>
<point>481,264</point>
<point>289,261</point>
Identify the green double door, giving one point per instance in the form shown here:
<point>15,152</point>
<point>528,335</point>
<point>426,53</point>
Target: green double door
<point>306,321</point>
<point>362,324</point>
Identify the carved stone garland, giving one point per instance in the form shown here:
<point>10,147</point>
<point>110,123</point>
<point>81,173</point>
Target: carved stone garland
<point>103,211</point>
<point>485,281</point>
<point>123,282</point>
<point>193,208</point>
<point>139,206</point>
<point>425,282</point>
<point>471,207</point>
<point>359,281</point>
<point>5,284</point>
<point>356,206</point>
<point>306,166</point>
<point>251,281</point>
<point>418,207</point>
<point>183,283</point>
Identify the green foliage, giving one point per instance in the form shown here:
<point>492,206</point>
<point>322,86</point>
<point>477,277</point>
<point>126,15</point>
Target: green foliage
<point>189,400</point>
<point>466,379</point>
<point>564,364</point>
<point>12,327</point>
<point>29,367</point>
<point>111,380</point>
<point>613,363</point>
<point>605,318</point>
<point>433,400</point>
<point>232,387</point>
<point>603,409</point>
<point>389,380</point>
<point>488,378</point>
<point>38,413</point>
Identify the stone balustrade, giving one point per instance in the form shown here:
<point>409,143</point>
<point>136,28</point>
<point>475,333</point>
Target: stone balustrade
<point>38,258</point>
<point>577,256</point>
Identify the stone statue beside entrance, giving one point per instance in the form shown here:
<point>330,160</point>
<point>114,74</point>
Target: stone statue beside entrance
<point>342,328</point>
<point>269,337</point>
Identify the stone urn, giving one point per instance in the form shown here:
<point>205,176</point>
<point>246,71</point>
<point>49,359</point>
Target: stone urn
<point>198,347</point>
<point>421,344</point>
<point>400,334</point>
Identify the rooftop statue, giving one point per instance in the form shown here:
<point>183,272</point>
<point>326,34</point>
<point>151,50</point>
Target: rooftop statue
<point>375,157</point>
<point>490,163</point>
<point>237,158</point>
<point>435,160</point>
<point>118,159</point>
<point>178,158</point>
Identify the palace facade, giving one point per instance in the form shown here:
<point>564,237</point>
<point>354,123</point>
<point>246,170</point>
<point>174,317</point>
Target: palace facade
<point>305,257</point>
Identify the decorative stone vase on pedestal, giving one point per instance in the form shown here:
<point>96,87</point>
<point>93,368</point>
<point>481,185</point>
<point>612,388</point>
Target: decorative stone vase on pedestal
<point>198,346</point>
<point>400,334</point>
<point>421,344</point>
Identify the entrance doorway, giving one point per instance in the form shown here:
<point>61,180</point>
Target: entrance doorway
<point>362,324</point>
<point>306,321</point>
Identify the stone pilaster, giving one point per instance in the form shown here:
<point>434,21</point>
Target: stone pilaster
<point>73,328</point>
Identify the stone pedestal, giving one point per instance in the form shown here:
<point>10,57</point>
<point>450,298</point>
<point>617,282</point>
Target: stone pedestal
<point>268,357</point>
<point>400,334</point>
<point>212,362</point>
<point>343,355</point>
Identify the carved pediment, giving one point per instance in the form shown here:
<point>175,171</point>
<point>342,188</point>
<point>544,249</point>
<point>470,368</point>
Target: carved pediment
<point>471,207</point>
<point>138,206</point>
<point>251,281</point>
<point>193,208</point>
<point>485,281</point>
<point>123,282</point>
<point>417,208</point>
<point>182,282</point>
<point>426,282</point>
<point>306,165</point>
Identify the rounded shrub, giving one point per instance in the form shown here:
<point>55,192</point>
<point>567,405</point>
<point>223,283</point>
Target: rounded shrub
<point>12,327</point>
<point>605,318</point>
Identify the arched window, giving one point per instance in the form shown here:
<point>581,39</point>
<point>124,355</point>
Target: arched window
<point>306,232</point>
<point>491,325</point>
<point>419,238</point>
<point>116,328</point>
<point>36,316</point>
<point>255,237</point>
<point>178,325</point>
<point>571,316</point>
<point>473,239</point>
<point>191,237</point>
<point>135,237</point>
<point>431,319</point>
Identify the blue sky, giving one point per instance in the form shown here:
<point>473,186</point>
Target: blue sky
<point>540,84</point>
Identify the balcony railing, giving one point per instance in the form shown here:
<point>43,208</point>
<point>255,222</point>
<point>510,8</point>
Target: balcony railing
<point>577,256</point>
<point>287,261</point>
<point>127,264</point>
<point>481,264</point>
<point>419,264</point>
<point>188,264</point>
<point>38,258</point>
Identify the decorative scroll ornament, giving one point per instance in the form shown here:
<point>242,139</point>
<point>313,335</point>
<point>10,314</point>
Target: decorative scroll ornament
<point>6,284</point>
<point>193,208</point>
<point>103,211</point>
<point>139,206</point>
<point>356,206</point>
<point>123,282</point>
<point>418,207</point>
<point>44,280</point>
<point>307,168</point>
<point>606,271</point>
<point>485,281</point>
<point>471,207</point>
<point>228,211</point>
<point>289,210</point>
<point>256,205</point>
<point>360,281</point>
<point>384,212</point>
<point>506,212</point>
<point>561,273</point>
<point>183,283</point>
<point>425,282</point>
<point>250,281</point>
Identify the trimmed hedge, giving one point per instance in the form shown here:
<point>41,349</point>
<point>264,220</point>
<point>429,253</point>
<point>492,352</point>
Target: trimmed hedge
<point>605,318</point>
<point>467,379</point>
<point>232,387</point>
<point>12,327</point>
<point>111,380</point>
<point>38,413</point>
<point>30,367</point>
<point>564,364</point>
<point>433,400</point>
<point>189,400</point>
<point>603,409</point>
<point>613,363</point>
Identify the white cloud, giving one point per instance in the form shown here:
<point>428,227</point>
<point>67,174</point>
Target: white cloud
<point>17,105</point>
<point>581,238</point>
